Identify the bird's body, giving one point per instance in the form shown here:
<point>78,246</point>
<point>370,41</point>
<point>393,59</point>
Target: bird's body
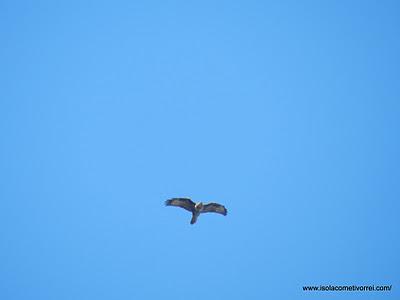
<point>196,208</point>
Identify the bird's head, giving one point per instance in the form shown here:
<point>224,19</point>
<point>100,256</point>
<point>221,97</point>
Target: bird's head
<point>199,206</point>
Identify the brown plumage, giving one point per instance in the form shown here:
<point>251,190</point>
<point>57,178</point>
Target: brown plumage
<point>196,208</point>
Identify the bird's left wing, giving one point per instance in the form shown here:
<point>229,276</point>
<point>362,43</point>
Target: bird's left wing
<point>215,207</point>
<point>185,203</point>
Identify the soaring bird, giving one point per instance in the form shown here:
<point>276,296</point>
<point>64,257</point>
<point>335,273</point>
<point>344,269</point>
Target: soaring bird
<point>196,208</point>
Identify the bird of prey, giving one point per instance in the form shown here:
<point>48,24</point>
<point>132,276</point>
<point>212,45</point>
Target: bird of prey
<point>196,208</point>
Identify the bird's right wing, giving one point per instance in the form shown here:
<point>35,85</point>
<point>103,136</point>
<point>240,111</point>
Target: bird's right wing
<point>216,208</point>
<point>185,203</point>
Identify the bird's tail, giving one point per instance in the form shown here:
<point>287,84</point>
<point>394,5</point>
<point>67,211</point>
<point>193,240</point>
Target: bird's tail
<point>194,218</point>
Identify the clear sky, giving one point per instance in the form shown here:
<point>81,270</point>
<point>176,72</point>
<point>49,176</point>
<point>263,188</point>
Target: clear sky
<point>286,112</point>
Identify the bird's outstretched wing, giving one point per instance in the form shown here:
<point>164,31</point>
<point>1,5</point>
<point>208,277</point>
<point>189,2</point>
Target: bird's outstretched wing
<point>185,203</point>
<point>214,207</point>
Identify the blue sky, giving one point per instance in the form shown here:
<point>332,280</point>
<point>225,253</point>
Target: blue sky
<point>286,112</point>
